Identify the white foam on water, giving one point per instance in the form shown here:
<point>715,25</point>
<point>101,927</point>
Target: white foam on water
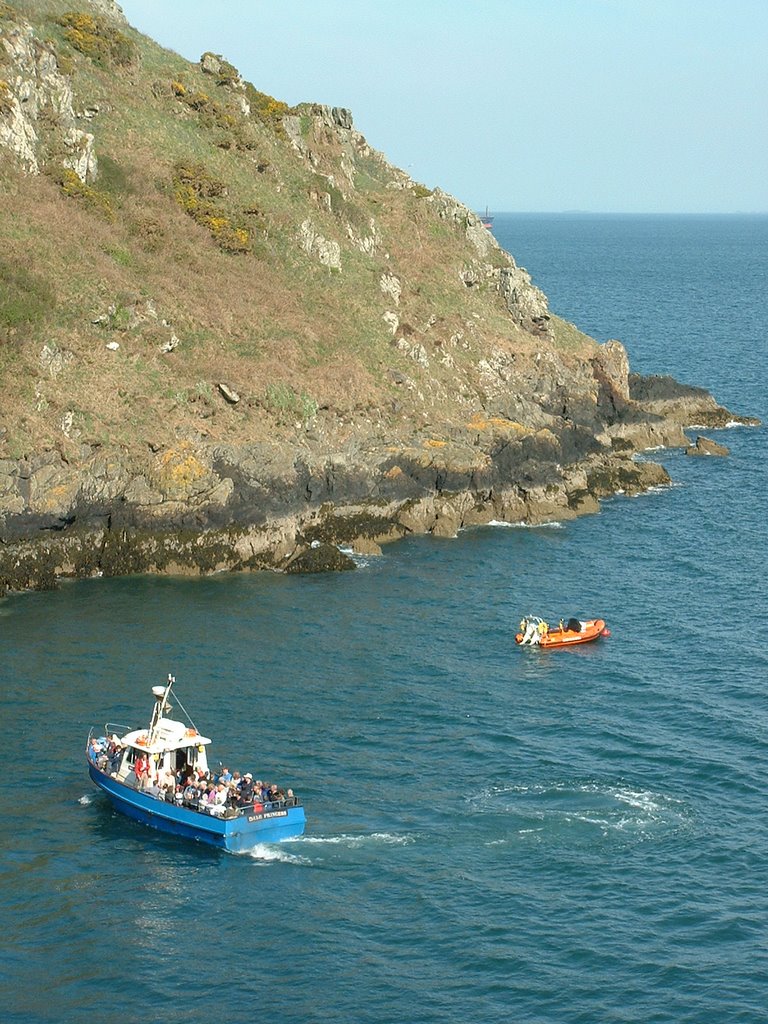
<point>526,526</point>
<point>85,800</point>
<point>609,808</point>
<point>357,840</point>
<point>267,853</point>
<point>361,561</point>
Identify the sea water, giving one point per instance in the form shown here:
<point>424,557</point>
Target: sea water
<point>494,834</point>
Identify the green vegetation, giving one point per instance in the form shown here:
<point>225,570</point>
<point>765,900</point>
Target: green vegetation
<point>26,298</point>
<point>97,39</point>
<point>92,198</point>
<point>286,405</point>
<point>266,108</point>
<point>113,177</point>
<point>197,192</point>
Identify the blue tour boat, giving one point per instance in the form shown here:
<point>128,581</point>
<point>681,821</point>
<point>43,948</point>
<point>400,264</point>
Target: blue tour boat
<point>129,768</point>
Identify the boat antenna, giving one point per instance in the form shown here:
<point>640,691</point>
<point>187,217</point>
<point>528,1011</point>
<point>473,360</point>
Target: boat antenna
<point>186,713</point>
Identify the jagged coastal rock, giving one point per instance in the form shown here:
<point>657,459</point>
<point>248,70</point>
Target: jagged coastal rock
<point>280,345</point>
<point>268,506</point>
<point>706,446</point>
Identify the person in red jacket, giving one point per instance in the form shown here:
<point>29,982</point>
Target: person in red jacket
<point>141,769</point>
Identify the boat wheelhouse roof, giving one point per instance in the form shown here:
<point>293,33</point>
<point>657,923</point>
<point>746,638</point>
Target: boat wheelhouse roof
<point>168,734</point>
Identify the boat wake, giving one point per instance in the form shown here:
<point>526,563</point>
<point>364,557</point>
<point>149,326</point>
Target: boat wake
<point>269,853</point>
<point>578,811</point>
<point>356,840</point>
<point>307,850</point>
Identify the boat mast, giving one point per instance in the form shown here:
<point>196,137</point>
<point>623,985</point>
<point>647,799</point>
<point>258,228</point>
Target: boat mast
<point>161,704</point>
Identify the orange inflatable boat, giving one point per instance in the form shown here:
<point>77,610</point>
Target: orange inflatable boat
<point>535,632</point>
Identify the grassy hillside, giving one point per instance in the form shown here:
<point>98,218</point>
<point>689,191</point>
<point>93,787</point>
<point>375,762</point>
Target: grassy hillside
<point>225,239</point>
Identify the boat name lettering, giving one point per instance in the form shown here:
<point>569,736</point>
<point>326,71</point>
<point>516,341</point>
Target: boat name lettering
<point>268,814</point>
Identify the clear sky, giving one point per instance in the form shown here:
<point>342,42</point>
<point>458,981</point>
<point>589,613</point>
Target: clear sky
<point>519,105</point>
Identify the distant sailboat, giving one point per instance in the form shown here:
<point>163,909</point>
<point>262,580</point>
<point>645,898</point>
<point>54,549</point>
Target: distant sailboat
<point>487,219</point>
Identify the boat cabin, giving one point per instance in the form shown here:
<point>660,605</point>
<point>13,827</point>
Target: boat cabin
<point>170,745</point>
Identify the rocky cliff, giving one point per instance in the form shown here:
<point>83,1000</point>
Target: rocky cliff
<point>233,336</point>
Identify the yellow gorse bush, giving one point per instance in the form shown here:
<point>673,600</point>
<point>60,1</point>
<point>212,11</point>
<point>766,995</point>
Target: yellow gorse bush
<point>71,185</point>
<point>96,38</point>
<point>194,189</point>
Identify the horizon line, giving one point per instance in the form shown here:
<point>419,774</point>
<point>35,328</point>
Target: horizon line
<point>492,211</point>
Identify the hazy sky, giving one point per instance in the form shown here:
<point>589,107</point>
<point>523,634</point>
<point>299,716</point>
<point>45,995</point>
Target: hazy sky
<point>520,105</point>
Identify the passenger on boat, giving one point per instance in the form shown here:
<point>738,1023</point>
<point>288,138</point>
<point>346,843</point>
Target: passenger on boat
<point>114,753</point>
<point>534,631</point>
<point>529,632</point>
<point>141,770</point>
<point>189,793</point>
<point>217,799</point>
<point>246,791</point>
<point>97,752</point>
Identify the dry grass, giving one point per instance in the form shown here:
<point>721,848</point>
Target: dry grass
<point>138,272</point>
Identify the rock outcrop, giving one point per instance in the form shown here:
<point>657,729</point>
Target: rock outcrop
<point>706,446</point>
<point>38,123</point>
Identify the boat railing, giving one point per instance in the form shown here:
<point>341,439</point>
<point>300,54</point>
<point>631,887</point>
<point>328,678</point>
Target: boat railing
<point>270,805</point>
<point>246,809</point>
<point>115,729</point>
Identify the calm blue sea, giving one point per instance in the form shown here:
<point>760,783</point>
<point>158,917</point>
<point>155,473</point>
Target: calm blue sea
<point>494,835</point>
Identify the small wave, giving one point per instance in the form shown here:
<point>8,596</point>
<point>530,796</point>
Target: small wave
<point>653,489</point>
<point>361,561</point>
